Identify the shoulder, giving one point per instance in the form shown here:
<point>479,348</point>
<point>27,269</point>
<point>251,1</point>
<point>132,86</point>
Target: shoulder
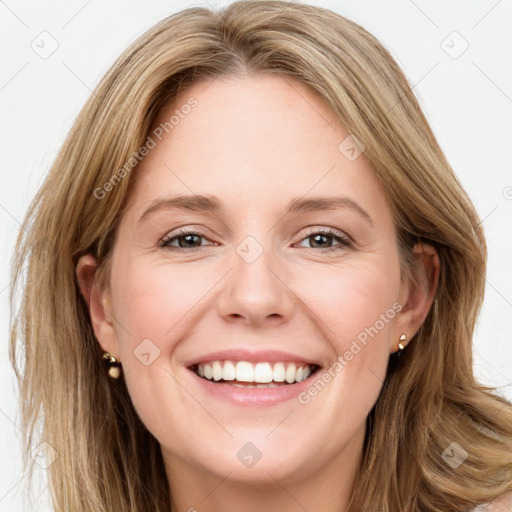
<point>500,504</point>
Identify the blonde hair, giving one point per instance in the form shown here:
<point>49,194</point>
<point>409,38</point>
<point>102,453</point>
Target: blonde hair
<point>107,459</point>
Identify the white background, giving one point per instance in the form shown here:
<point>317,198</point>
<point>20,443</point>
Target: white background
<point>466,99</point>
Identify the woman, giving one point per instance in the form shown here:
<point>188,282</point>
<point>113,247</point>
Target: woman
<point>252,226</point>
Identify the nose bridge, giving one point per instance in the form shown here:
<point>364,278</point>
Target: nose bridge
<point>254,289</point>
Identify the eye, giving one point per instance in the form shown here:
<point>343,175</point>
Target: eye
<point>320,238</point>
<point>191,240</point>
<point>185,240</point>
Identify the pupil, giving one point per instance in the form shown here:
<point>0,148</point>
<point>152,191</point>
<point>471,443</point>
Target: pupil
<point>318,238</point>
<point>189,239</point>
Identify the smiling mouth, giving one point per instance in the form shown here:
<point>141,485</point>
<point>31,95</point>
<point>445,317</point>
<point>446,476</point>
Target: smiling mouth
<point>254,375</point>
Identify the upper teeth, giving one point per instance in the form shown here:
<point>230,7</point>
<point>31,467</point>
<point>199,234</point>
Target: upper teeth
<point>245,371</point>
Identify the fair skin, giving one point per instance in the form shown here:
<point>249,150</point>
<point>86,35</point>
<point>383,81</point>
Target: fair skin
<point>256,143</point>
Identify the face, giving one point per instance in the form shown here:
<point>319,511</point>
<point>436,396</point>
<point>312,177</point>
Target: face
<point>289,262</point>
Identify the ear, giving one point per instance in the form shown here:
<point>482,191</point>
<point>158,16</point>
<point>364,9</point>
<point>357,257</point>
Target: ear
<point>416,294</point>
<point>98,302</point>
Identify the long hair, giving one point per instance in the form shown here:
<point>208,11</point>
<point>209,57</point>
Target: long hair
<point>430,406</point>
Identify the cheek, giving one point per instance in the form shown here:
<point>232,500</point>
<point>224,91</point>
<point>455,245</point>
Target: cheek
<point>152,305</point>
<point>164,303</point>
<point>347,301</point>
<point>356,309</point>
<point>352,300</point>
<point>152,301</point>
<point>155,307</point>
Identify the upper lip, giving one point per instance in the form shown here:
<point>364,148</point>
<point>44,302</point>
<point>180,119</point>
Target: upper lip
<point>260,356</point>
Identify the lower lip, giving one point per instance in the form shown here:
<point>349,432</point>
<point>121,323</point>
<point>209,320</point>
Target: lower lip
<point>254,397</point>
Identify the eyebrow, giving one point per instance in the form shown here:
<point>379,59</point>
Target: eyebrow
<point>211,204</point>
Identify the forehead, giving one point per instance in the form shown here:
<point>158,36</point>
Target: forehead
<point>258,139</point>
<point>251,116</point>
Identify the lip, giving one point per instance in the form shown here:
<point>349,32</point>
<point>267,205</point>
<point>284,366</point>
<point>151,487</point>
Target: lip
<point>252,397</point>
<point>262,356</point>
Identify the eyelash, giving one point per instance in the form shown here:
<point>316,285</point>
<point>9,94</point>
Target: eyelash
<point>344,241</point>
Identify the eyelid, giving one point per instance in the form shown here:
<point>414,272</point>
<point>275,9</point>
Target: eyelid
<point>328,230</point>
<point>183,232</point>
<point>189,229</point>
<point>344,240</point>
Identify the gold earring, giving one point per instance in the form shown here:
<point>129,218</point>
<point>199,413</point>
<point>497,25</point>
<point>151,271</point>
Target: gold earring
<point>401,345</point>
<point>112,365</point>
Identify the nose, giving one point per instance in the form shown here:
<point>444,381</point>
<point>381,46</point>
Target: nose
<point>256,290</point>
